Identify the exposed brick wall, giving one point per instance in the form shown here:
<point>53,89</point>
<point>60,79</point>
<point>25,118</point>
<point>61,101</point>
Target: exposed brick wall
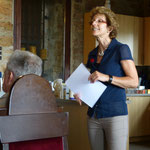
<point>6,31</point>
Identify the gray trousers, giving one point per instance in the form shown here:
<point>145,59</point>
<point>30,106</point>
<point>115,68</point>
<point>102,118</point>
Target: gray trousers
<point>108,133</point>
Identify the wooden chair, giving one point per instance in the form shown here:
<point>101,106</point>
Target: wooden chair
<point>32,118</point>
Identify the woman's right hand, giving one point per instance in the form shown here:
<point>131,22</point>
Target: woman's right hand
<point>77,97</point>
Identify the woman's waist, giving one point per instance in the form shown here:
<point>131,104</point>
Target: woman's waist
<point>113,94</point>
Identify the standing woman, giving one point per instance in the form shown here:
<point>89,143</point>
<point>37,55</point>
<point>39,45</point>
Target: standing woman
<point>112,64</point>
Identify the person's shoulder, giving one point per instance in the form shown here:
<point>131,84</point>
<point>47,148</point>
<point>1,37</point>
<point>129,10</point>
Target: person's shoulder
<point>119,46</point>
<point>124,51</point>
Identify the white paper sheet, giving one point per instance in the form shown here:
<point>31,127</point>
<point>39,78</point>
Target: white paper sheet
<point>78,83</point>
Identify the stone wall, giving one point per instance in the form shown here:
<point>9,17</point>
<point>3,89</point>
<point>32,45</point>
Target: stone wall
<point>77,20</point>
<point>6,31</point>
<point>54,39</point>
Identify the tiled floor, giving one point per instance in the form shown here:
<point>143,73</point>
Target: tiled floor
<point>140,146</point>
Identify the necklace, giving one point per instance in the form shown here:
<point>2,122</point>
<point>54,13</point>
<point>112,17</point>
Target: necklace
<point>101,53</point>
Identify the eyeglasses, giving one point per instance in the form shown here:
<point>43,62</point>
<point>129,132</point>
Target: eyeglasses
<point>97,21</point>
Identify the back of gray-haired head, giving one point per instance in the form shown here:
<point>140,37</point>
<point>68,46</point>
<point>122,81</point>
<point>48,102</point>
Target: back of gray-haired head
<point>23,63</point>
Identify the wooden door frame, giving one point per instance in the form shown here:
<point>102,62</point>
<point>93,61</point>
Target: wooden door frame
<point>17,24</point>
<point>67,39</point>
<point>17,32</point>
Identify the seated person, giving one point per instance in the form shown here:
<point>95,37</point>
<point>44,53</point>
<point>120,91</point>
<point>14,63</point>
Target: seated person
<point>20,63</point>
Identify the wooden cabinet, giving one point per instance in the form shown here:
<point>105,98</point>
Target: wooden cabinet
<point>147,41</point>
<point>78,134</point>
<point>139,116</point>
<point>130,32</point>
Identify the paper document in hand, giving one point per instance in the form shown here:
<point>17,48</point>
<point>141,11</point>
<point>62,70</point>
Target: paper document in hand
<point>78,83</point>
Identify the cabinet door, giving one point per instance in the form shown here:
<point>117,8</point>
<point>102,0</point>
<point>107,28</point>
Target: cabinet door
<point>139,116</point>
<point>130,32</point>
<point>147,41</point>
<point>78,134</point>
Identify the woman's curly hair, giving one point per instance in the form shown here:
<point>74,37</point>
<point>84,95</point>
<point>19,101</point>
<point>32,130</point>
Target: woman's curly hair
<point>110,18</point>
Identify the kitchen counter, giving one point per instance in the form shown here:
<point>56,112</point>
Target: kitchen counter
<point>137,95</point>
<point>61,101</point>
<point>139,112</point>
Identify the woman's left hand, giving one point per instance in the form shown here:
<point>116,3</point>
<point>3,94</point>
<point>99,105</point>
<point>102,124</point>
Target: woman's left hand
<point>95,76</point>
